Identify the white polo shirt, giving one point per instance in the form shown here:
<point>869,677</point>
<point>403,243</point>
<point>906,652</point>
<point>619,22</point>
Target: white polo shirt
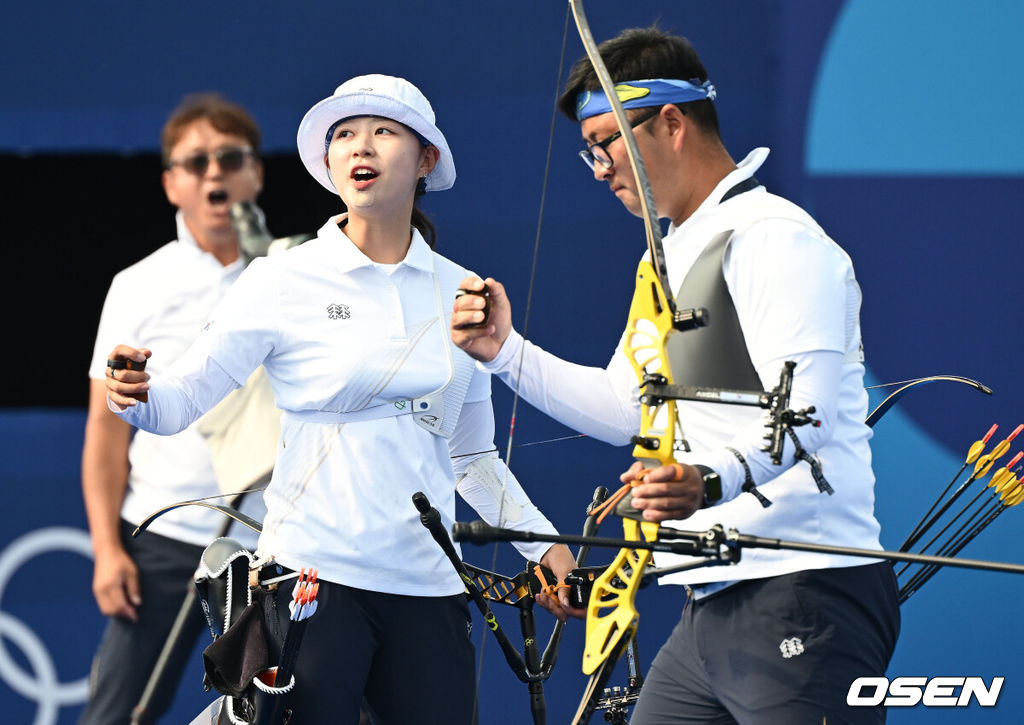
<point>162,302</point>
<point>342,340</point>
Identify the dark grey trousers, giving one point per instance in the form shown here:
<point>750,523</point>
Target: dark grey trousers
<point>129,650</point>
<point>779,650</point>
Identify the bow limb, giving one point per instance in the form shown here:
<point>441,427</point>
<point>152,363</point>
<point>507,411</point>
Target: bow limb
<point>611,611</point>
<point>894,397</point>
<point>653,310</point>
<point>649,211</point>
<point>229,511</point>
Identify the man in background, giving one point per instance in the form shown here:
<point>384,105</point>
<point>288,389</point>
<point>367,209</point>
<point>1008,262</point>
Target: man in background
<point>210,148</point>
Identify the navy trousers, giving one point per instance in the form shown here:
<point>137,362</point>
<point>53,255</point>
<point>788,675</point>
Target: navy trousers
<point>779,650</point>
<point>411,658</point>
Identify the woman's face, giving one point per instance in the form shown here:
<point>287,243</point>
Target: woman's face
<point>375,164</point>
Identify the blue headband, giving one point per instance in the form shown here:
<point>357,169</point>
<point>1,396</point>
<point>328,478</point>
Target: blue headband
<point>330,134</point>
<point>643,94</point>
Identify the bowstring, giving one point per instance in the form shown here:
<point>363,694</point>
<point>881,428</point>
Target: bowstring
<point>526,325</point>
<point>522,445</point>
<point>892,385</point>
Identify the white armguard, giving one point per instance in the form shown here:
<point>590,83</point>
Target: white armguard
<point>484,471</point>
<point>482,485</point>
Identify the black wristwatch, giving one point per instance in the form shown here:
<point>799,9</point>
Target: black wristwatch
<point>712,486</point>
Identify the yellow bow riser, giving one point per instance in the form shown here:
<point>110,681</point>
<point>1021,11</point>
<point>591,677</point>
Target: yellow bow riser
<point>647,330</point>
<point>611,611</point>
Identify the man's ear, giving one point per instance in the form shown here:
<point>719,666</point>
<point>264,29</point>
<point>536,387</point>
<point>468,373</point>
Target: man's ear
<point>676,123</point>
<point>259,175</point>
<point>165,180</point>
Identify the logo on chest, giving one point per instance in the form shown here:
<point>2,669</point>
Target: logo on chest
<point>338,312</point>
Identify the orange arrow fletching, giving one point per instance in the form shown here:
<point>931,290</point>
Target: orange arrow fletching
<point>1006,483</point>
<point>1015,498</point>
<point>999,479</point>
<point>982,467</point>
<point>978,446</point>
<point>985,462</point>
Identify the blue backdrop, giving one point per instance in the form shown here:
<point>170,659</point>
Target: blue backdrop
<point>894,123</point>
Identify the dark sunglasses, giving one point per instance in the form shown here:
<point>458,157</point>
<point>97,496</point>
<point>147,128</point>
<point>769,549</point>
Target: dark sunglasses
<point>229,159</point>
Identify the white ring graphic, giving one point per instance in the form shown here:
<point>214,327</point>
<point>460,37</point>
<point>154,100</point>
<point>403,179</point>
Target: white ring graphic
<point>43,687</point>
<point>14,630</point>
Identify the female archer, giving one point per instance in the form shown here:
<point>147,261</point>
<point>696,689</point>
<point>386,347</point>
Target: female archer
<point>351,328</point>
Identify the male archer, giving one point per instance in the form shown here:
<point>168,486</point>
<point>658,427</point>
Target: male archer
<point>779,636</point>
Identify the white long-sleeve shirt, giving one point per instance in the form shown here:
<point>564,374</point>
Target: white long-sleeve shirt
<point>797,299</point>
<point>342,340</point>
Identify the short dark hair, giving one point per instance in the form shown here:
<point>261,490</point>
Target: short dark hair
<point>640,54</point>
<point>224,115</point>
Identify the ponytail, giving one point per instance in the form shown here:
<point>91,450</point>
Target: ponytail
<point>420,220</point>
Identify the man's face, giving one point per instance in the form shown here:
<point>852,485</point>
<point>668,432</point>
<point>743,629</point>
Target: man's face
<point>620,175</point>
<point>205,195</point>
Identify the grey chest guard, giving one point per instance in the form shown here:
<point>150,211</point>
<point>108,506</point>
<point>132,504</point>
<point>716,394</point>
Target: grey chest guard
<point>714,356</point>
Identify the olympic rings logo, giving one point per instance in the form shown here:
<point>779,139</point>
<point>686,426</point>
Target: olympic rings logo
<point>41,685</point>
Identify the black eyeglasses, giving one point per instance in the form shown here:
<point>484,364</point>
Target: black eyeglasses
<point>597,153</point>
<point>229,159</point>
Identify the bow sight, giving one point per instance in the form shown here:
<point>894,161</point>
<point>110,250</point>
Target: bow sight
<point>655,391</point>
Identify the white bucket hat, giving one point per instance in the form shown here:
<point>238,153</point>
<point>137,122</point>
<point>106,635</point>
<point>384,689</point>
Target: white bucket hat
<point>373,95</point>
